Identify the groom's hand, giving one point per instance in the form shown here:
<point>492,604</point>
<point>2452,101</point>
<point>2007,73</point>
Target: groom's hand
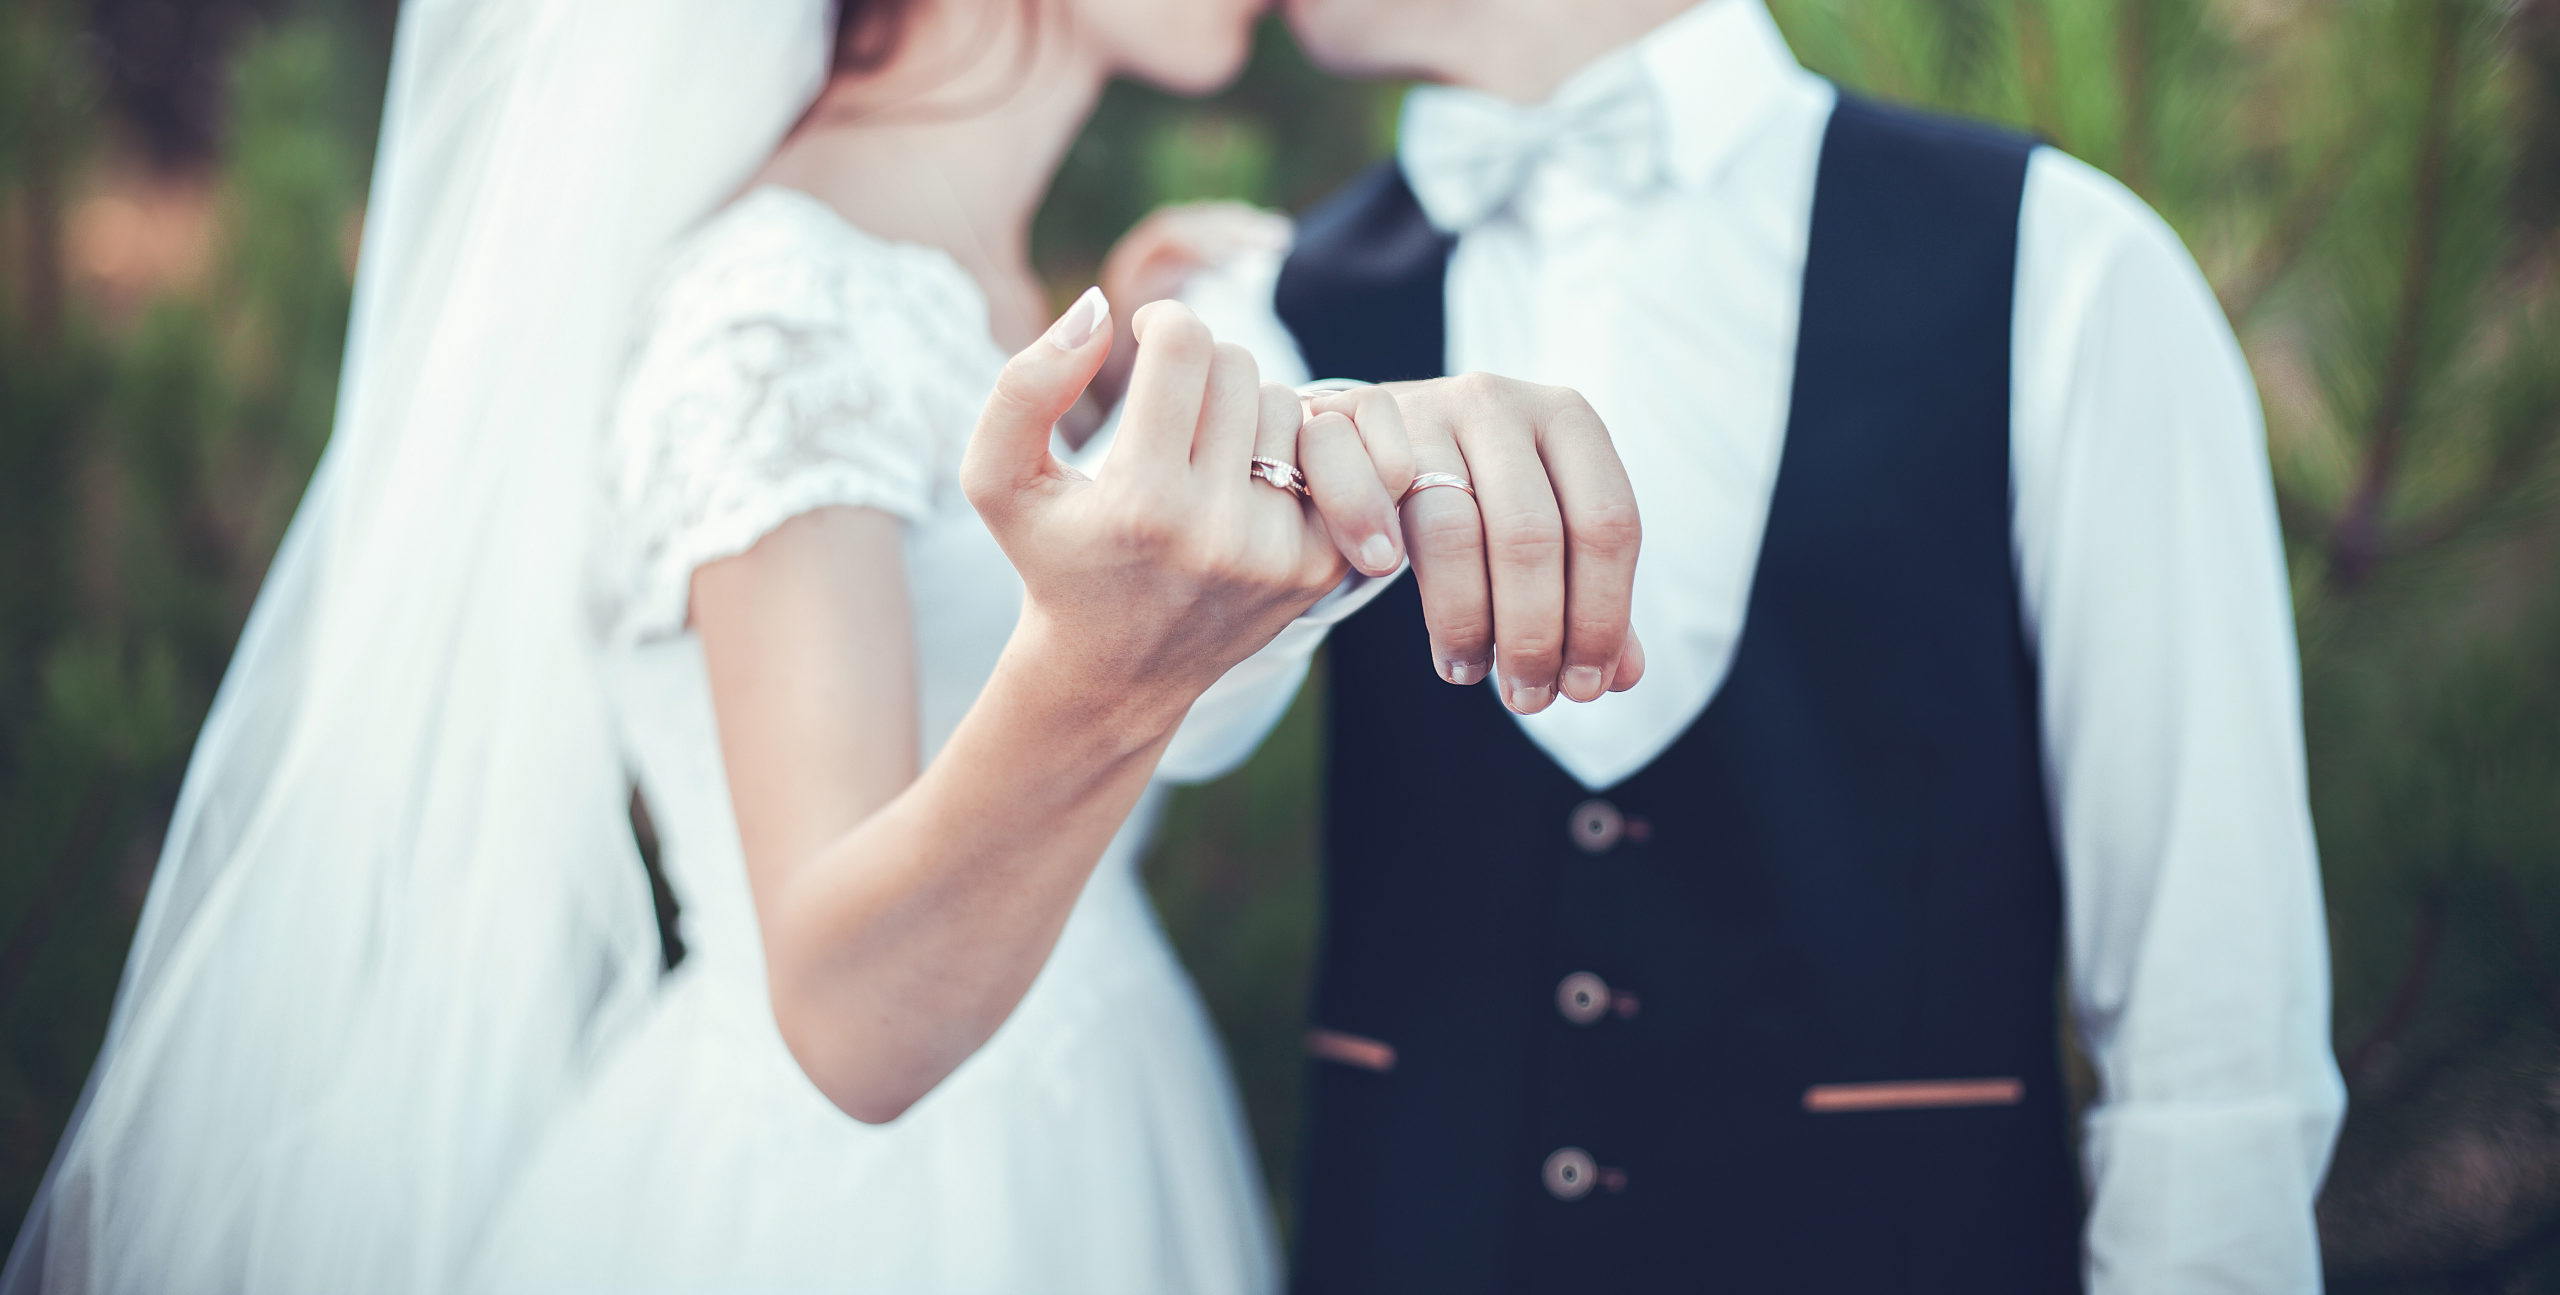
<point>1537,567</point>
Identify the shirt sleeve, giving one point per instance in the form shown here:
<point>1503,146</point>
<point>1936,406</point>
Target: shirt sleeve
<point>2154,586</point>
<point>1231,719</point>
<point>756,394</point>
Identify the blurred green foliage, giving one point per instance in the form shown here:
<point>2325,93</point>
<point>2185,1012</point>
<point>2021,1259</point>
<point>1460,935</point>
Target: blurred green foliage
<point>2372,185</point>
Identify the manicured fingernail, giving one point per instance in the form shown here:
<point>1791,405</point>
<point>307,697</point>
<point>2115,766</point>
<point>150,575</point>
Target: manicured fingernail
<point>1529,699</point>
<point>1462,672</point>
<point>1082,320</point>
<point>1377,554</point>
<point>1583,682</point>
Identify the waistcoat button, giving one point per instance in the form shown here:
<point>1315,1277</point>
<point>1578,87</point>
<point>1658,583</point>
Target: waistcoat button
<point>1582,997</point>
<point>1596,826</point>
<point>1570,1174</point>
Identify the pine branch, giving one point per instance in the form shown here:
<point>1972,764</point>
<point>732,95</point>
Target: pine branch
<point>2302,218</point>
<point>2513,464</point>
<point>2301,518</point>
<point>2357,542</point>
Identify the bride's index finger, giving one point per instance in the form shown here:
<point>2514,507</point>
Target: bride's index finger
<point>1010,449</point>
<point>1166,393</point>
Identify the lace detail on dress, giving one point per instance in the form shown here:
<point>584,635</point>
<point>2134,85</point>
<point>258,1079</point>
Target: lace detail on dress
<point>789,362</point>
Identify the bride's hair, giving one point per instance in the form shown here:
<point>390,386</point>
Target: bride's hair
<point>867,36</point>
<point>867,33</point>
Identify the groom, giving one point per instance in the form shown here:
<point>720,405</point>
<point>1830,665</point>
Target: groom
<point>1970,680</point>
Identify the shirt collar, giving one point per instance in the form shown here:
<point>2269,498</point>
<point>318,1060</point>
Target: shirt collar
<point>1716,67</point>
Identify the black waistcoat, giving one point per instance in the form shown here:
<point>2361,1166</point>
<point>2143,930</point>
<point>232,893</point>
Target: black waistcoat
<point>1777,1013</point>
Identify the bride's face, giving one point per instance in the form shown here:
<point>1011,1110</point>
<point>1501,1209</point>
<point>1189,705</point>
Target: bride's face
<point>1185,46</point>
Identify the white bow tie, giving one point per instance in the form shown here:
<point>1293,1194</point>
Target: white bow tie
<point>1468,154</point>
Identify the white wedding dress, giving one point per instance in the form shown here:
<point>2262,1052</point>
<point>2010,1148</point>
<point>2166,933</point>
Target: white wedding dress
<point>791,362</point>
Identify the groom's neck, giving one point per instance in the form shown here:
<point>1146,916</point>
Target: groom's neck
<point>1522,50</point>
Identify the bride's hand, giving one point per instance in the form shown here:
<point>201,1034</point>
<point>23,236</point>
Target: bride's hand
<point>1148,582</point>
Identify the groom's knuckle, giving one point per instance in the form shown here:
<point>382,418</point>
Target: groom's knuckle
<point>1536,647</point>
<point>1608,529</point>
<point>1525,538</point>
<point>1476,393</point>
<point>1466,628</point>
<point>1433,529</point>
<point>1568,412</point>
<point>1595,632</point>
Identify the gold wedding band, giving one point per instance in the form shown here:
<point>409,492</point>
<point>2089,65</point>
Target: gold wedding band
<point>1426,480</point>
<point>1284,475</point>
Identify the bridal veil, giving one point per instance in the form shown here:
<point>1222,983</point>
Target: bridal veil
<point>399,901</point>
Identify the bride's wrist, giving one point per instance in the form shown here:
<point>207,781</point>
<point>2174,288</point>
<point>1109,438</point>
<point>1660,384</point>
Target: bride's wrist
<point>1074,684</point>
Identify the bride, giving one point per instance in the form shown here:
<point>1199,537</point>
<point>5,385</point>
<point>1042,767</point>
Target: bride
<point>654,463</point>
<point>827,669</point>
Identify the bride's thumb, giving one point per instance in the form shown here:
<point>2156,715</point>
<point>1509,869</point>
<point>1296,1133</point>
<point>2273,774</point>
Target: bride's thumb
<point>1010,450</point>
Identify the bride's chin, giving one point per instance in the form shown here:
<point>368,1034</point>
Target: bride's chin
<point>1204,75</point>
<point>1186,47</point>
<point>1217,78</point>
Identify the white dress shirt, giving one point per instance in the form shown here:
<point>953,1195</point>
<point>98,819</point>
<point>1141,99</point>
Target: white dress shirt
<point>2150,567</point>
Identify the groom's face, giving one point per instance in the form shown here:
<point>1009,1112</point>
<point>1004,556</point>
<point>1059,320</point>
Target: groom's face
<point>1382,37</point>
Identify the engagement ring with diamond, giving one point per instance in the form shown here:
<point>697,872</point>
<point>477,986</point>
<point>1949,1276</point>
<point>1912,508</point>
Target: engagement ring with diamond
<point>1284,475</point>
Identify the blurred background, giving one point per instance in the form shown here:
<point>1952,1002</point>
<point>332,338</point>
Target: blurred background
<point>2372,185</point>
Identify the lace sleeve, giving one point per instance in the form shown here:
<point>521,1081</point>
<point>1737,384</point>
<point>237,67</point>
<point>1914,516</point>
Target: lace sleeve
<point>764,388</point>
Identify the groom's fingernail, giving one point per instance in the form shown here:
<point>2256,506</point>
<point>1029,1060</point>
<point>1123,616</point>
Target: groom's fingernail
<point>1462,672</point>
<point>1082,320</point>
<point>1377,554</point>
<point>1529,699</point>
<point>1582,682</point>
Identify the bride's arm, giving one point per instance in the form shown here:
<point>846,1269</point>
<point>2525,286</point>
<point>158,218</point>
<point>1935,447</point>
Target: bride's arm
<point>906,911</point>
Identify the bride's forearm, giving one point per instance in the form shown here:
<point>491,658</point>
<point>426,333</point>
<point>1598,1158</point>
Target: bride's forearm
<point>896,952</point>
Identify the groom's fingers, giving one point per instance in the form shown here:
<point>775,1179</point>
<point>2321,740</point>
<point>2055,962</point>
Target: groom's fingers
<point>1602,534</point>
<point>1344,484</point>
<point>1444,537</point>
<point>1524,541</point>
<point>1382,432</point>
<point>1630,668</point>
